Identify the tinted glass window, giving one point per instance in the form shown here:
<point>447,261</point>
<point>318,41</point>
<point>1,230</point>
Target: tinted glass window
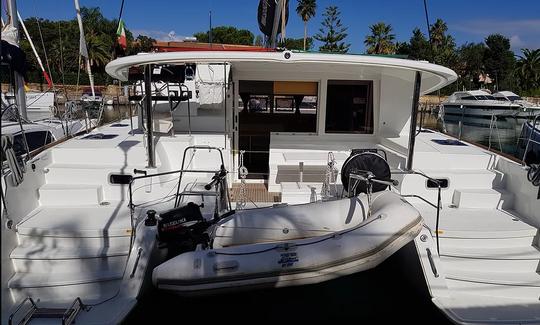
<point>38,139</point>
<point>18,145</point>
<point>349,107</point>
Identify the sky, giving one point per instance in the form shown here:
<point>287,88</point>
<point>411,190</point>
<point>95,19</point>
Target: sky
<point>467,20</point>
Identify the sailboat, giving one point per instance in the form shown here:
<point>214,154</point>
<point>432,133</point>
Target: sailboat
<point>35,122</point>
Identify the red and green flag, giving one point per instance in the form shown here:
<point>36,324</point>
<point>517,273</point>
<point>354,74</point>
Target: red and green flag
<point>121,33</point>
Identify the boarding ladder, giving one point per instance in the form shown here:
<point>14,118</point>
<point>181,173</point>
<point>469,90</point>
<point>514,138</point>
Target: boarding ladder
<point>66,315</point>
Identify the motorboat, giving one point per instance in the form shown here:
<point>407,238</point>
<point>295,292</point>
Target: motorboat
<point>477,108</point>
<point>528,111</point>
<point>508,96</point>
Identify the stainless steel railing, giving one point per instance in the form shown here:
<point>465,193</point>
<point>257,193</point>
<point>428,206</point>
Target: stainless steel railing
<point>529,140</point>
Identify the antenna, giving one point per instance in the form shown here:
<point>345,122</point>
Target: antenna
<point>427,21</point>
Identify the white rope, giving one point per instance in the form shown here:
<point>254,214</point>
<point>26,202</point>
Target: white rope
<point>44,50</point>
<point>330,177</point>
<point>242,173</point>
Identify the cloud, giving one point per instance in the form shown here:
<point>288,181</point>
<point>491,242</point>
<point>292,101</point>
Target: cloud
<point>159,35</point>
<point>492,26</point>
<point>516,42</point>
<point>522,33</point>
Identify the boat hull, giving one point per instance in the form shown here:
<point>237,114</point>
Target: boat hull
<point>292,262</point>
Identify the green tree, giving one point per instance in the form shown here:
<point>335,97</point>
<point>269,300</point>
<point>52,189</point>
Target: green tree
<point>60,46</point>
<point>332,33</point>
<point>418,47</point>
<point>227,35</point>
<point>141,44</point>
<point>99,50</point>
<point>528,71</point>
<point>306,10</point>
<point>443,46</point>
<point>297,43</point>
<point>381,40</point>
<point>470,64</point>
<point>259,41</point>
<point>499,60</point>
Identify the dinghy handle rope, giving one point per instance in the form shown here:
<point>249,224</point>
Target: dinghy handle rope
<point>287,246</point>
<point>369,178</point>
<point>438,206</point>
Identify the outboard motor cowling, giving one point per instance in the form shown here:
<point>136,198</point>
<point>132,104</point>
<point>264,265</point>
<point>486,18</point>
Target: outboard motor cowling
<point>182,229</point>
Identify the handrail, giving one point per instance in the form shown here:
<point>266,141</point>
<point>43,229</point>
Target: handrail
<point>209,148</point>
<point>493,124</point>
<point>535,120</point>
<point>130,190</point>
<point>439,203</point>
<point>29,313</point>
<point>20,120</point>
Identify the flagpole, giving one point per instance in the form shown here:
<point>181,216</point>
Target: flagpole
<point>82,48</point>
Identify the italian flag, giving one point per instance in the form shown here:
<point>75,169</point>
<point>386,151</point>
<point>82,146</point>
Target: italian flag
<point>121,33</point>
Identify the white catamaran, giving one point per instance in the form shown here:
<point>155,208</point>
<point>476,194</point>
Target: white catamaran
<point>335,184</point>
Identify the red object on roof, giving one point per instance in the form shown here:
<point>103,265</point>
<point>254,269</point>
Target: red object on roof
<point>160,46</point>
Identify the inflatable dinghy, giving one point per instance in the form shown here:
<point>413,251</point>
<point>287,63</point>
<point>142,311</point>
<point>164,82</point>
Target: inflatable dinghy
<point>288,245</point>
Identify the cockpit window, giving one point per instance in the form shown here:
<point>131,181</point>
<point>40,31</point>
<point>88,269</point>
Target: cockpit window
<point>35,140</point>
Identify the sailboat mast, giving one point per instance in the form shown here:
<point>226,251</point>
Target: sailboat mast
<point>19,80</point>
<point>47,78</point>
<point>83,49</point>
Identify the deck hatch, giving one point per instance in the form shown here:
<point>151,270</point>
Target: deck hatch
<point>448,142</point>
<point>100,136</point>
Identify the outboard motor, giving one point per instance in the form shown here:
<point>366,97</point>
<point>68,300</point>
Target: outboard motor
<point>182,229</point>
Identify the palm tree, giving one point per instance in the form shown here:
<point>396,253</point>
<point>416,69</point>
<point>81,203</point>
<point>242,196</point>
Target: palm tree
<point>306,10</point>
<point>98,50</point>
<point>381,41</point>
<point>528,69</point>
<point>438,31</point>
